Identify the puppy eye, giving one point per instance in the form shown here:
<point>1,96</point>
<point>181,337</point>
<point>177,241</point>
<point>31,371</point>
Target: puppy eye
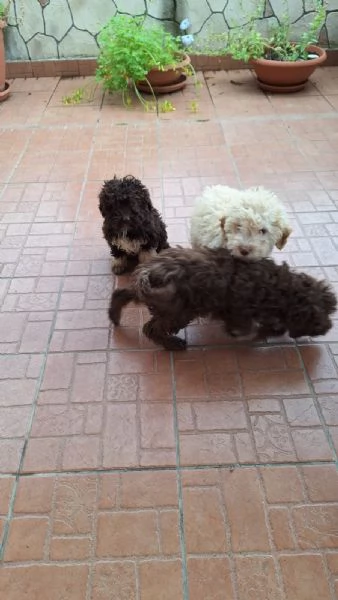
<point>263,231</point>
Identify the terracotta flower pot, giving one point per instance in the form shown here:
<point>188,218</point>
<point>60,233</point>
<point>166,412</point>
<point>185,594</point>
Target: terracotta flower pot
<point>169,79</point>
<point>4,85</point>
<point>286,76</point>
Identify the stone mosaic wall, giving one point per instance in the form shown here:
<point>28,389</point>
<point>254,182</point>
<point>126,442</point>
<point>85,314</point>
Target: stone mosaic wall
<point>52,29</point>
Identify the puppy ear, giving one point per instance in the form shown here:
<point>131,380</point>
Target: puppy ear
<point>284,238</point>
<point>104,201</point>
<point>102,208</point>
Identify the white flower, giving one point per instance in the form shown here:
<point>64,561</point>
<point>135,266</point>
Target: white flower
<point>187,40</point>
<point>185,24</point>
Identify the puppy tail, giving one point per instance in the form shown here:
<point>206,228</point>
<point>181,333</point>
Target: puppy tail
<point>120,298</point>
<point>154,286</point>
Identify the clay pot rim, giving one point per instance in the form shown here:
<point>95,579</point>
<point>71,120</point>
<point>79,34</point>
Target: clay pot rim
<point>6,92</point>
<point>179,65</point>
<point>3,23</point>
<point>290,64</point>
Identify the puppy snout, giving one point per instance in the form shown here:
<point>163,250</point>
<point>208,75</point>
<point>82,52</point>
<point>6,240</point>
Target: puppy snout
<point>244,251</point>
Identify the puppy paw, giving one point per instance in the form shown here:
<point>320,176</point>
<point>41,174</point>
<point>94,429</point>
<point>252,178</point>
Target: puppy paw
<point>234,333</point>
<point>155,333</point>
<point>242,335</point>
<point>174,343</point>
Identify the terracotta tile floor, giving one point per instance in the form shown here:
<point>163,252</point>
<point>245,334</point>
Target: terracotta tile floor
<point>128,473</point>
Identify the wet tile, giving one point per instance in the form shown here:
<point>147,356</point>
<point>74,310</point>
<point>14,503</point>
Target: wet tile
<point>159,578</point>
<point>34,532</point>
<point>127,534</point>
<point>207,449</point>
<point>281,529</point>
<point>108,399</point>
<point>114,578</point>
<point>310,582</point>
<point>248,507</point>
<point>311,444</point>
<point>205,530</point>
<point>66,579</point>
<point>258,383</point>
<point>55,515</point>
<point>282,485</point>
<point>6,489</point>
<point>25,108</point>
<point>257,577</point>
<point>314,526</point>
<point>97,410</point>
<point>321,483</point>
<point>210,578</point>
<point>244,502</point>
<point>18,386</point>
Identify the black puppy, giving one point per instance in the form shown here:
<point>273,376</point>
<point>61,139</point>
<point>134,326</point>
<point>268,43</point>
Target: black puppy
<point>132,227</point>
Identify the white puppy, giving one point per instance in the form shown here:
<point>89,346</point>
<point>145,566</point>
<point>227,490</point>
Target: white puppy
<point>247,222</point>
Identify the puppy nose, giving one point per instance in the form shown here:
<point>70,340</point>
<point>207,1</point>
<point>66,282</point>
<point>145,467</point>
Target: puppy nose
<point>244,251</point>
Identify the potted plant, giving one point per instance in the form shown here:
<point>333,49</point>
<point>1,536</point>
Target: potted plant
<point>4,85</point>
<point>280,64</point>
<point>148,59</point>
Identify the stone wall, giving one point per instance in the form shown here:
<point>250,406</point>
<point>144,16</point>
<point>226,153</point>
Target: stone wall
<point>52,29</point>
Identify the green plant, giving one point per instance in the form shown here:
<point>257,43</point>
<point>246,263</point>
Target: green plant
<point>85,93</point>
<point>74,98</point>
<point>4,10</point>
<point>247,42</point>
<point>166,106</point>
<point>17,14</point>
<point>194,106</point>
<point>150,106</point>
<point>129,50</point>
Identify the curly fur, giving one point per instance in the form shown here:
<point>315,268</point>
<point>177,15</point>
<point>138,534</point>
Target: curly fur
<point>260,297</point>
<point>132,227</point>
<point>247,222</point>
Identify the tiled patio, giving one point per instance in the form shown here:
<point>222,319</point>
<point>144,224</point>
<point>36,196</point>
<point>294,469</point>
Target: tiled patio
<point>129,473</point>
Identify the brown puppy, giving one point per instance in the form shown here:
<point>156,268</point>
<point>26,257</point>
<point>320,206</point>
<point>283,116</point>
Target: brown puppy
<point>258,297</point>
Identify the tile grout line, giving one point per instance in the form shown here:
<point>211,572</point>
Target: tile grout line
<point>184,569</point>
<point>295,142</point>
<point>7,183</point>
<point>332,115</point>
<point>185,582</point>
<point>269,529</point>
<point>49,535</point>
<point>331,445</point>
<point>13,494</point>
<point>230,155</point>
<point>93,541</point>
<point>44,361</point>
<point>318,408</point>
<point>228,535</point>
<point>225,345</point>
<point>182,468</point>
